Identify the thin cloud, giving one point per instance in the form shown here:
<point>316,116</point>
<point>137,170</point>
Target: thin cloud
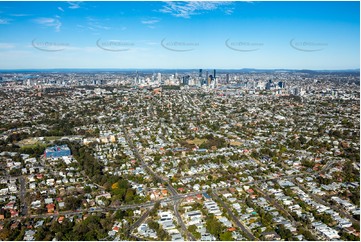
<point>4,21</point>
<point>187,9</point>
<point>49,22</point>
<point>74,5</point>
<point>6,46</point>
<point>99,26</point>
<point>150,23</point>
<point>95,25</point>
<point>153,21</point>
<point>20,15</point>
<point>61,9</point>
<point>229,11</point>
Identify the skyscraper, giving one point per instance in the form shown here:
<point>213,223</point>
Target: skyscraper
<point>136,79</point>
<point>159,78</point>
<point>207,79</point>
<point>269,84</point>
<point>186,80</point>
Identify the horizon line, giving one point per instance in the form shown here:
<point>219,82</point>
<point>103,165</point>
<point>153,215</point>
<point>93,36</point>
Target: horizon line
<point>246,68</point>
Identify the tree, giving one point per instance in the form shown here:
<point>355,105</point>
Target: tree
<point>87,189</point>
<point>226,236</point>
<point>154,210</point>
<point>349,237</point>
<point>349,173</point>
<point>129,196</point>
<point>308,235</point>
<point>192,228</point>
<point>283,232</point>
<point>162,234</point>
<point>72,203</point>
<point>289,192</point>
<point>4,234</point>
<point>120,214</point>
<point>213,226</point>
<point>302,139</point>
<point>355,196</point>
<point>153,225</point>
<point>307,163</point>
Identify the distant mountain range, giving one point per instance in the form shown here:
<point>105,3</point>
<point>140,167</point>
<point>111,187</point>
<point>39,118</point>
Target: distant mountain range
<point>149,70</point>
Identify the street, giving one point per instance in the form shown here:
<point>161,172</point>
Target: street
<point>234,218</point>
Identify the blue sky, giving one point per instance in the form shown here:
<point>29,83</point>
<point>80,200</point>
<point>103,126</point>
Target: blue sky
<point>229,35</point>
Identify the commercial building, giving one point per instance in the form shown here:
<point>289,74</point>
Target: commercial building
<point>57,151</point>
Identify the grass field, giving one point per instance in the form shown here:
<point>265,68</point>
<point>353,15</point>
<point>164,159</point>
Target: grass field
<point>35,140</point>
<point>235,143</point>
<point>28,142</point>
<point>196,141</point>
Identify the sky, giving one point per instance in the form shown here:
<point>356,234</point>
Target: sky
<point>180,35</point>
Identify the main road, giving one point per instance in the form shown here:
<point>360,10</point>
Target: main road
<point>145,165</point>
<point>22,192</point>
<point>181,223</point>
<point>234,218</point>
<point>175,196</point>
<point>323,202</point>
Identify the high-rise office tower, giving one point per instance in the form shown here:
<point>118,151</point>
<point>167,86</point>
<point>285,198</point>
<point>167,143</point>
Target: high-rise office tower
<point>214,74</point>
<point>200,72</point>
<point>206,79</point>
<point>176,77</point>
<point>269,84</point>
<point>186,80</point>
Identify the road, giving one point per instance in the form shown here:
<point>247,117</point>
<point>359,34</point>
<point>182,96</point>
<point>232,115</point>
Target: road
<point>327,166</point>
<point>139,221</point>
<point>175,196</point>
<point>22,193</point>
<point>234,218</point>
<point>276,204</point>
<point>167,200</point>
<point>320,200</point>
<point>145,165</point>
<point>181,223</point>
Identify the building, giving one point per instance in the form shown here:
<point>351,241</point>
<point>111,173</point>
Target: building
<point>207,81</point>
<point>57,151</point>
<point>186,80</point>
<point>269,85</point>
<point>206,196</point>
<point>281,84</point>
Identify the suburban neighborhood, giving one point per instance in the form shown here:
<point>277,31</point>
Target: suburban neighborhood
<point>247,156</point>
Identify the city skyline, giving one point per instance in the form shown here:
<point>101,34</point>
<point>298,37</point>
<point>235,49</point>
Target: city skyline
<point>180,35</point>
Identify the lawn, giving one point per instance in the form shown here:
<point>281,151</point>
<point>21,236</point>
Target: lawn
<point>196,141</point>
